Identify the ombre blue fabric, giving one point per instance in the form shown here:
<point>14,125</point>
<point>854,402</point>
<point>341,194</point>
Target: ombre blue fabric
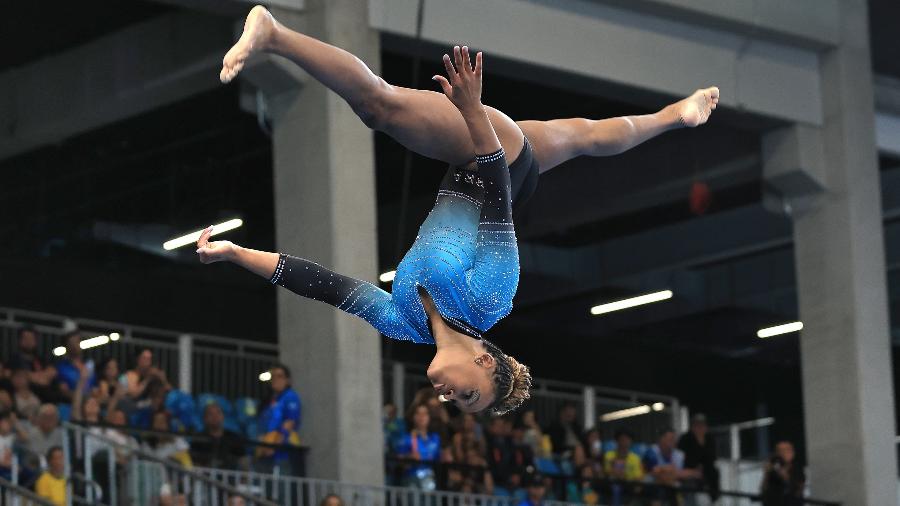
<point>465,257</point>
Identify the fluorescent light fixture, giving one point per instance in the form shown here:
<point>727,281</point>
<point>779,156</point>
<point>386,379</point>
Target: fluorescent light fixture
<point>387,277</point>
<point>779,329</point>
<point>634,301</point>
<point>625,413</point>
<point>94,341</point>
<point>265,376</point>
<point>658,406</point>
<point>193,236</point>
<point>89,343</point>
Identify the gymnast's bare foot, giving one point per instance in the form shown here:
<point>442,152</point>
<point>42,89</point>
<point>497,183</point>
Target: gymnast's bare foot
<point>695,109</point>
<point>258,30</point>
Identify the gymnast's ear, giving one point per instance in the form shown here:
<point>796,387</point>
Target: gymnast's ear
<point>485,360</point>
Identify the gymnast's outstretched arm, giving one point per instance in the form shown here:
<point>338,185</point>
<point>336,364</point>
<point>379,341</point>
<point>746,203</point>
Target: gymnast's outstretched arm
<point>311,280</point>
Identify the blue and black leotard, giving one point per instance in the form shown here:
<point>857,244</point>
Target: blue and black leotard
<point>465,257</point>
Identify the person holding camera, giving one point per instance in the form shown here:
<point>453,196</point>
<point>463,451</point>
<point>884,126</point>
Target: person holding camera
<point>784,479</point>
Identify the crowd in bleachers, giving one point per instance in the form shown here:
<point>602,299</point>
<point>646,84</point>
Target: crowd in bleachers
<point>136,408</point>
<point>515,456</point>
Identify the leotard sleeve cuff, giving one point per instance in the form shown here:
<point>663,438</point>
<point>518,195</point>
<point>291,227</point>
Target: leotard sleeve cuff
<point>490,157</point>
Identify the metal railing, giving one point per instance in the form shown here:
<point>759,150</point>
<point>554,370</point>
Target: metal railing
<point>12,494</point>
<point>194,362</point>
<point>136,477</point>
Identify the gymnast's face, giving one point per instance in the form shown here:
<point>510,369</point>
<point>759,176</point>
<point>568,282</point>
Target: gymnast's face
<point>463,378</point>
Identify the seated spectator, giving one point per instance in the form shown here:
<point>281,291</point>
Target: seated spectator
<point>622,465</point>
<point>219,448</point>
<point>422,445</point>
<point>700,454</point>
<point>500,449</point>
<point>533,436</point>
<point>40,437</point>
<point>537,491</point>
<point>583,490</point>
<point>468,432</point>
<point>784,479</point>
<point>522,453</point>
<point>280,419</point>
<point>51,485</point>
<point>7,444</point>
<point>593,448</point>
<point>565,432</point>
<point>331,500</point>
<point>72,366</point>
<point>138,379</point>
<point>108,380</point>
<point>473,477</point>
<point>394,426</point>
<point>665,466</point>
<point>167,445</point>
<point>26,402</point>
<point>40,374</point>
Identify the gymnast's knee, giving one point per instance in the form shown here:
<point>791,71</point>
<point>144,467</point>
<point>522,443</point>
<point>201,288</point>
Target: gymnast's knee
<point>374,109</point>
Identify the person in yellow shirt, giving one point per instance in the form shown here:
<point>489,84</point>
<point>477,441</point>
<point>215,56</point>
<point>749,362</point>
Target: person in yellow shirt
<point>622,463</point>
<point>51,484</point>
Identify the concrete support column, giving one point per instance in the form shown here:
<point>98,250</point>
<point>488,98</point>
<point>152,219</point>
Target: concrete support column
<point>839,248</point>
<point>324,180</point>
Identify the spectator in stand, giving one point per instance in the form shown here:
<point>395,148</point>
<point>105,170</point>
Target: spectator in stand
<point>593,449</point>
<point>280,420</point>
<point>165,445</point>
<point>218,448</point>
<point>622,465</point>
<point>51,485</point>
<point>583,490</point>
<point>499,449</point>
<point>422,445</point>
<point>39,437</point>
<point>784,480</point>
<point>144,374</point>
<point>473,477</point>
<point>440,417</point>
<point>331,500</point>
<point>468,433</point>
<point>7,444</point>
<point>40,374</point>
<point>26,402</point>
<point>700,454</point>
<point>565,432</point>
<point>533,436</point>
<point>536,490</point>
<point>665,466</point>
<point>394,426</point>
<point>70,368</point>
<point>522,453</point>
<point>108,380</point>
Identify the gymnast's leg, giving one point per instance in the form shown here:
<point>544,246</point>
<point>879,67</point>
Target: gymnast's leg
<point>423,121</point>
<point>559,140</point>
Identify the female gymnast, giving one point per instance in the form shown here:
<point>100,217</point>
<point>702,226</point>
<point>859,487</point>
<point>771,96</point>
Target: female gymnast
<point>427,123</point>
<point>455,282</point>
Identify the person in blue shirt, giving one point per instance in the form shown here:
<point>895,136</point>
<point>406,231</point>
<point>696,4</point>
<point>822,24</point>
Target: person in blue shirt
<point>280,419</point>
<point>421,445</point>
<point>70,368</point>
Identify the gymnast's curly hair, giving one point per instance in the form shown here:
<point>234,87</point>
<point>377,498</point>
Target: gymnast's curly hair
<point>512,381</point>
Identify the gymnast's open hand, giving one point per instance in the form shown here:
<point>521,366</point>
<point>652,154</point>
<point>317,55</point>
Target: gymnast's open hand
<point>462,84</point>
<point>216,251</point>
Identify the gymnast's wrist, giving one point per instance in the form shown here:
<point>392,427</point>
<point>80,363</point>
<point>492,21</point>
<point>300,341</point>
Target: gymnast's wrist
<point>472,111</point>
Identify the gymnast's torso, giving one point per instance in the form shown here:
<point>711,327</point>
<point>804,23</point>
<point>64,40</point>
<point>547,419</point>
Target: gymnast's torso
<point>464,259</point>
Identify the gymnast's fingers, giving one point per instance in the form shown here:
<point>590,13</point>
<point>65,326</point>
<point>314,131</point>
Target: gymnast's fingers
<point>467,61</point>
<point>449,67</point>
<point>457,59</point>
<point>714,92</point>
<point>204,236</point>
<point>479,65</point>
<point>445,85</point>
